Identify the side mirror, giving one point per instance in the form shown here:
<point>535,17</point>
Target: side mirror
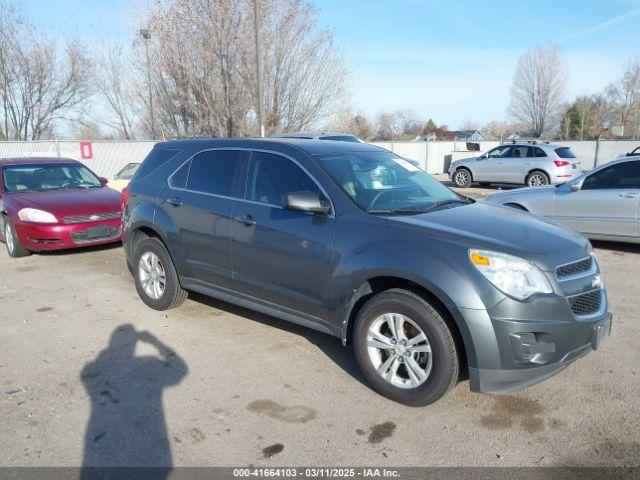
<point>306,202</point>
<point>103,180</point>
<point>576,187</point>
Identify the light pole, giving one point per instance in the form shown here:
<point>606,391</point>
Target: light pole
<point>258,68</point>
<point>146,35</point>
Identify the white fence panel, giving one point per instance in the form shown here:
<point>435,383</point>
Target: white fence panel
<point>434,157</point>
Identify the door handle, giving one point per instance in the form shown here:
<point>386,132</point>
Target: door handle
<point>628,195</point>
<point>175,201</point>
<point>247,220</point>
<point>499,163</point>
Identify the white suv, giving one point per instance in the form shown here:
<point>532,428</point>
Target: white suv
<point>529,163</point>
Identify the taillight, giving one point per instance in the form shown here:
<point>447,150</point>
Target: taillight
<point>126,193</point>
<point>561,163</point>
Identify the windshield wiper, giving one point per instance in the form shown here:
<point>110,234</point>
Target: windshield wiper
<point>395,211</point>
<point>446,202</point>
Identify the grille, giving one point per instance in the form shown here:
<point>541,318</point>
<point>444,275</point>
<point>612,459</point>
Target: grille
<point>574,268</point>
<point>94,217</point>
<point>586,303</point>
<point>95,234</point>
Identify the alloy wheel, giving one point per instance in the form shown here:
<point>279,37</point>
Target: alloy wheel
<point>152,275</point>
<point>462,178</point>
<point>399,350</point>
<point>8,238</point>
<point>537,180</point>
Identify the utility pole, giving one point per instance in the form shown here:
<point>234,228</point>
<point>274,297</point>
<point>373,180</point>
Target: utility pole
<point>258,68</point>
<point>146,35</point>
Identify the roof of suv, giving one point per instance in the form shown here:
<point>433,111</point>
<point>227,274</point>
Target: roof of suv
<point>311,147</point>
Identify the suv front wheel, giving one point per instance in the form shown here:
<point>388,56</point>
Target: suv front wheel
<point>462,178</point>
<point>404,348</point>
<point>156,278</point>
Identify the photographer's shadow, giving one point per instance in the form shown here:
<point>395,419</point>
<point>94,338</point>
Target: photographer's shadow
<point>127,425</point>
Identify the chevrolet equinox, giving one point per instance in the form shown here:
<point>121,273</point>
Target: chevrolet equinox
<point>427,286</point>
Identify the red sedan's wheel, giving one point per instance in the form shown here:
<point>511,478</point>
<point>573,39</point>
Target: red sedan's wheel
<point>12,242</point>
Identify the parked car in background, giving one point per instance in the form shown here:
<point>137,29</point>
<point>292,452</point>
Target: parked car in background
<point>426,285</point>
<point>339,137</point>
<point>53,204</point>
<point>122,178</point>
<point>633,153</point>
<point>603,204</point>
<point>530,163</point>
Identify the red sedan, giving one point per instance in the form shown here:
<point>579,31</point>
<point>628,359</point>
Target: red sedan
<point>55,203</point>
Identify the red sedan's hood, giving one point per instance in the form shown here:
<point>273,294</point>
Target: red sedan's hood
<point>63,203</point>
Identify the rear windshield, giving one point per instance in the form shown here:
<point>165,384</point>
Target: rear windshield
<point>155,159</point>
<point>342,138</point>
<point>565,152</point>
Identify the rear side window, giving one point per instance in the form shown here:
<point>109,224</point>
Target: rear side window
<point>179,178</point>
<point>619,176</point>
<point>565,152</point>
<point>156,158</point>
<point>271,177</point>
<point>213,171</point>
<point>538,152</point>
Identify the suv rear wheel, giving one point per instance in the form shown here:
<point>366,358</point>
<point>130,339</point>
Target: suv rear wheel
<point>156,278</point>
<point>404,348</point>
<point>537,178</point>
<point>462,178</point>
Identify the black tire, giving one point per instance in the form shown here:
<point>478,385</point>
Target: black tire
<point>537,178</point>
<point>462,178</point>
<point>445,366</point>
<point>516,206</point>
<point>14,247</point>
<point>485,184</point>
<point>173,295</point>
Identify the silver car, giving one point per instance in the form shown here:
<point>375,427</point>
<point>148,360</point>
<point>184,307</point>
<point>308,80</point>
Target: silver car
<point>530,163</point>
<point>603,204</point>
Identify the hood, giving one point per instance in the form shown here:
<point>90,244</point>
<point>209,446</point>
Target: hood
<point>502,229</point>
<point>524,191</point>
<point>63,203</point>
<point>460,160</point>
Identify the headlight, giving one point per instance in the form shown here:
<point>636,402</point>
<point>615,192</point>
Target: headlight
<point>37,216</point>
<point>514,276</point>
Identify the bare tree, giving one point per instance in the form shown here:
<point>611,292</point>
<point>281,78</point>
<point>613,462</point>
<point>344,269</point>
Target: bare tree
<point>624,96</point>
<point>41,82</point>
<point>538,88</point>
<point>501,130</point>
<point>114,79</point>
<point>203,75</point>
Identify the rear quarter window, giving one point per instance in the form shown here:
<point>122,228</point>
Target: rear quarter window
<point>565,152</point>
<point>156,158</point>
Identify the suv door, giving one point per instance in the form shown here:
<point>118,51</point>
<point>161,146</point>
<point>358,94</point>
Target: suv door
<point>517,166</point>
<point>199,201</point>
<point>490,168</point>
<point>280,256</point>
<point>607,203</point>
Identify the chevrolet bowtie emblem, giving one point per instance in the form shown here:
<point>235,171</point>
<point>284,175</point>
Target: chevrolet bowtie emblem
<point>94,217</point>
<point>596,282</point>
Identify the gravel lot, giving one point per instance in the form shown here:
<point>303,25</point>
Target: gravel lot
<point>89,374</point>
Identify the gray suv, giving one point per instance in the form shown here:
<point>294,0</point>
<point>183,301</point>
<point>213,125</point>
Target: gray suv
<point>426,286</point>
<point>531,163</point>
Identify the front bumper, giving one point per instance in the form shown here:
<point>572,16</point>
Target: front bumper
<point>58,236</point>
<point>551,347</point>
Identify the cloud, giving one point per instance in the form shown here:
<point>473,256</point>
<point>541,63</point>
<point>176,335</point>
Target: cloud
<point>603,25</point>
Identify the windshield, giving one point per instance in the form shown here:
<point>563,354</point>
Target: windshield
<point>36,177</point>
<point>127,172</point>
<point>382,182</point>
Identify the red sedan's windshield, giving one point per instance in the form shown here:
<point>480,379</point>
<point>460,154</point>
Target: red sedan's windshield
<point>47,176</point>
